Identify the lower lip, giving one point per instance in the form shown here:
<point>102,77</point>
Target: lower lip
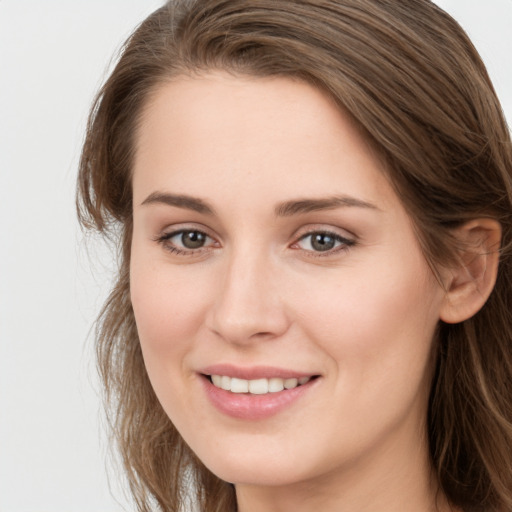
<point>253,407</point>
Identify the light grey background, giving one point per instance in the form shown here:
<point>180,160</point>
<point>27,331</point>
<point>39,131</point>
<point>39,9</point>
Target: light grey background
<point>53,56</point>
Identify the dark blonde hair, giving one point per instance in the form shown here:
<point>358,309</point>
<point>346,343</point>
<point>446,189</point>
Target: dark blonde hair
<point>413,82</point>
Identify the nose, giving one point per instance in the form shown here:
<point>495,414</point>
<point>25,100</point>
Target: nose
<point>248,305</point>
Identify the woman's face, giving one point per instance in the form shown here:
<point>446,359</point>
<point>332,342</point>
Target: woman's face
<point>270,251</point>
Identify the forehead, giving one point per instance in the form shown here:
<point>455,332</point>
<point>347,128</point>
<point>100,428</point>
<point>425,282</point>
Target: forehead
<point>221,132</point>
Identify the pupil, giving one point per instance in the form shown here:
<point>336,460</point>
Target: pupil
<point>322,242</point>
<point>193,239</point>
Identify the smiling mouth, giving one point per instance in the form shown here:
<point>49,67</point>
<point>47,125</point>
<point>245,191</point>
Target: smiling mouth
<point>257,386</point>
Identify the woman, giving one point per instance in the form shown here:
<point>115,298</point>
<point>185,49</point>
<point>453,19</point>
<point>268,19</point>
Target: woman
<point>313,205</point>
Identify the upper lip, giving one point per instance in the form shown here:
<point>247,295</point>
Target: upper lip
<point>254,372</point>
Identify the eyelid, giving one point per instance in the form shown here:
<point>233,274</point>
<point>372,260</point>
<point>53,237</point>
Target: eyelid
<point>325,228</point>
<point>173,234</point>
<point>174,229</point>
<point>165,235</point>
<point>345,239</point>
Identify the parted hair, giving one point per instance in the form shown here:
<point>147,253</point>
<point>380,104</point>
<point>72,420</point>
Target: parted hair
<point>413,82</point>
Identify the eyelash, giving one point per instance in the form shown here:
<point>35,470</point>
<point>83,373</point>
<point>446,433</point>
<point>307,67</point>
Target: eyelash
<point>344,243</point>
<point>166,237</point>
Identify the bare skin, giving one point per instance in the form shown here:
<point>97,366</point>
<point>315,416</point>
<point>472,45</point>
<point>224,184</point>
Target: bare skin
<point>266,235</point>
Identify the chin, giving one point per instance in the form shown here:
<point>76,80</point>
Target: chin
<point>258,464</point>
<point>265,475</point>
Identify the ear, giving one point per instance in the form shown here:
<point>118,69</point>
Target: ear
<point>470,282</point>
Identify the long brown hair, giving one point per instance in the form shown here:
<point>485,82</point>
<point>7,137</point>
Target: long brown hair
<point>410,77</point>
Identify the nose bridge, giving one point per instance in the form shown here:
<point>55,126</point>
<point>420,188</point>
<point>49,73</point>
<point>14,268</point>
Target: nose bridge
<point>248,304</point>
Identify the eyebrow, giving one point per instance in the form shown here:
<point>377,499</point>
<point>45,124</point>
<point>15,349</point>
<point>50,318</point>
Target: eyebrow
<point>302,206</point>
<point>286,209</point>
<point>180,201</point>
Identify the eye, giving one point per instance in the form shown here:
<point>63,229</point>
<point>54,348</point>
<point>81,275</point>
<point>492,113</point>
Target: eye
<point>324,242</point>
<point>185,241</point>
<point>190,239</point>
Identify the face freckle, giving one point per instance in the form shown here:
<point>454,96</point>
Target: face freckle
<point>252,170</point>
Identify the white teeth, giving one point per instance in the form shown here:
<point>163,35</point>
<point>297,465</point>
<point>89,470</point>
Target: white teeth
<point>225,383</point>
<point>290,383</point>
<point>275,385</point>
<point>239,385</point>
<point>256,386</point>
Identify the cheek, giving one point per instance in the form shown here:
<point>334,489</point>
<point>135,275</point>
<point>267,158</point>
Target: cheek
<point>376,326</point>
<point>168,307</point>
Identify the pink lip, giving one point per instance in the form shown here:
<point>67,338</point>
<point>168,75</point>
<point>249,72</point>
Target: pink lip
<point>253,407</point>
<point>253,372</point>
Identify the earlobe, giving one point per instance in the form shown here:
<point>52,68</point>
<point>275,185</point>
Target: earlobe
<point>471,281</point>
